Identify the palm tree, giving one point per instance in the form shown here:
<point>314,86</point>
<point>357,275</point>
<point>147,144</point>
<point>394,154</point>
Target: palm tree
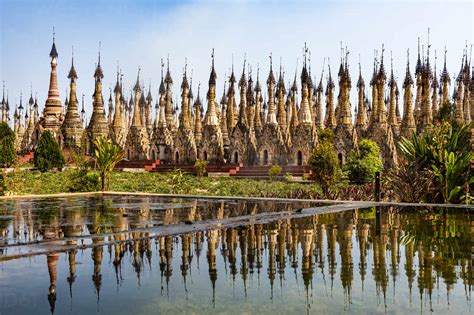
<point>107,155</point>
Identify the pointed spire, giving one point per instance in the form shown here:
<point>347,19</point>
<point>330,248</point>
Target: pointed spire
<point>168,79</point>
<point>360,81</point>
<point>98,74</point>
<point>445,74</point>
<point>162,85</point>
<point>213,76</point>
<point>391,82</point>
<point>53,53</point>
<point>330,84</point>
<point>408,79</point>
<point>72,72</point>
<point>118,85</point>
<point>418,62</point>
<point>137,88</point>
<point>271,78</point>
<point>31,101</point>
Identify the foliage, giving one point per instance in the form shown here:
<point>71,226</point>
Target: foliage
<point>107,155</point>
<point>363,163</point>
<point>445,112</point>
<point>7,145</point>
<point>288,177</point>
<point>326,135</point>
<point>200,167</point>
<point>324,165</point>
<point>446,152</point>
<point>176,180</point>
<point>48,154</point>
<point>409,183</point>
<point>274,171</point>
<point>3,186</point>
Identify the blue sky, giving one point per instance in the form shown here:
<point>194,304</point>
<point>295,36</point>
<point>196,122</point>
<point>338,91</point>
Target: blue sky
<point>139,33</point>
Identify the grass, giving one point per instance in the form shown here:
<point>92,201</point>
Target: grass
<point>21,182</point>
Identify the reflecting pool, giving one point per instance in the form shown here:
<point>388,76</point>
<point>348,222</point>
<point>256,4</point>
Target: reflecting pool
<point>148,255</point>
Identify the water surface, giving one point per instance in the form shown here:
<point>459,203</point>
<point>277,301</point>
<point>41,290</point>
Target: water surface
<point>147,255</point>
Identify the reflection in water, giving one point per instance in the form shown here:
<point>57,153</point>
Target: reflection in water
<point>360,260</point>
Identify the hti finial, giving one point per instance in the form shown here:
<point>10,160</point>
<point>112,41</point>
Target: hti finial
<point>185,65</point>
<point>212,57</point>
<point>360,70</point>
<point>391,60</point>
<point>408,56</point>
<point>54,34</point>
<point>418,47</point>
<point>72,55</point>
<point>347,54</point>
<point>322,71</point>
<point>383,49</point>
<point>245,60</point>
<point>305,52</point>
<point>162,66</point>
<point>99,51</point>
<point>258,70</point>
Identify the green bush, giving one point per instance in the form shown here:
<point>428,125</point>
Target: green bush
<point>446,152</point>
<point>200,167</point>
<point>363,163</point>
<point>48,154</point>
<point>274,171</point>
<point>7,145</point>
<point>324,164</point>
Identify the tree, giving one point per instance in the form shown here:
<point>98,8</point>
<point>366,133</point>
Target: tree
<point>324,164</point>
<point>7,145</point>
<point>363,163</point>
<point>107,155</point>
<point>445,151</point>
<point>48,154</point>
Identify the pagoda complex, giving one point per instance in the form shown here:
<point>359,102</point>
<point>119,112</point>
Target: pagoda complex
<point>250,125</point>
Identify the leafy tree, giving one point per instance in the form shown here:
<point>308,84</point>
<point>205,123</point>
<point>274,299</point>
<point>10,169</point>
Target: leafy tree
<point>107,155</point>
<point>445,151</point>
<point>200,167</point>
<point>324,164</point>
<point>363,163</point>
<point>7,145</point>
<point>48,154</point>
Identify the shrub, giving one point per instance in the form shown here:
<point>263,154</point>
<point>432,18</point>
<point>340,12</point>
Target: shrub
<point>48,154</point>
<point>274,171</point>
<point>200,167</point>
<point>324,165</point>
<point>446,152</point>
<point>7,145</point>
<point>362,164</point>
